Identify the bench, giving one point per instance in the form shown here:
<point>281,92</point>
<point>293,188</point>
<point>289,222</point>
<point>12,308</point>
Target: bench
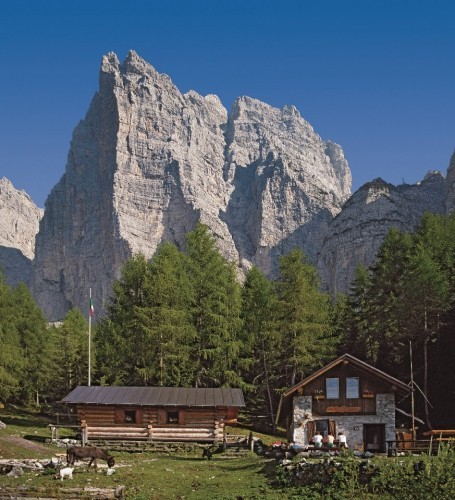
<point>410,446</point>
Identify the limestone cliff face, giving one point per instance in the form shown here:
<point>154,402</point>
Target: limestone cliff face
<point>355,234</point>
<point>148,162</point>
<point>19,223</point>
<point>287,183</point>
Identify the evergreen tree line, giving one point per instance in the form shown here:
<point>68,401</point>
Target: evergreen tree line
<point>184,319</point>
<point>38,362</point>
<point>403,310</point>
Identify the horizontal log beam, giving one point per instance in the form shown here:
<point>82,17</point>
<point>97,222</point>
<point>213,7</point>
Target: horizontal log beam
<point>116,428</point>
<point>174,430</point>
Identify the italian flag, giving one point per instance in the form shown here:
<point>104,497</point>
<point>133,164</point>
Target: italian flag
<point>92,309</point>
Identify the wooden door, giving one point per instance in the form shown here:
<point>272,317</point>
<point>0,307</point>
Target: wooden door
<point>374,438</point>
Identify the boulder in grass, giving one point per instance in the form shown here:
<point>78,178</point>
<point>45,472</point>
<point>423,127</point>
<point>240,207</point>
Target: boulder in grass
<point>15,471</point>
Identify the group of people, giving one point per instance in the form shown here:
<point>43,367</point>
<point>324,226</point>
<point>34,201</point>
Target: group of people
<point>329,440</point>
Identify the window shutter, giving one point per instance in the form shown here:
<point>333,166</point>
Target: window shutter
<point>119,416</point>
<point>231,413</point>
<point>182,417</point>
<point>310,429</point>
<point>333,428</point>
<point>162,416</point>
<point>139,416</point>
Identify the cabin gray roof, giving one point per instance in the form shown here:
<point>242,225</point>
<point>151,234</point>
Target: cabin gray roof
<point>156,396</point>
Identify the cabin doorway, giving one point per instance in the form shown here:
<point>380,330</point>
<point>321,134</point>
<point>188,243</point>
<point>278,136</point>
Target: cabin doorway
<point>374,438</point>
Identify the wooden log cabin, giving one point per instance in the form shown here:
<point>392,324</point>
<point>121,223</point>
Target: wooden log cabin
<point>154,414</point>
<point>348,396</point>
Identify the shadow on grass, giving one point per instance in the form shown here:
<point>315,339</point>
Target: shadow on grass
<point>36,439</point>
<point>25,421</point>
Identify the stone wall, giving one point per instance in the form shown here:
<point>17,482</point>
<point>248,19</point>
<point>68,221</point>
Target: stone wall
<point>350,425</point>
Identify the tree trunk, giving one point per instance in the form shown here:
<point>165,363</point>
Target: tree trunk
<point>267,383</point>
<point>425,372</point>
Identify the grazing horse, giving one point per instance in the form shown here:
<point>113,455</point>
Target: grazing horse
<point>79,452</point>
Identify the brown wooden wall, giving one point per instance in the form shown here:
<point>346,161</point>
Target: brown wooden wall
<point>343,405</point>
<point>151,423</point>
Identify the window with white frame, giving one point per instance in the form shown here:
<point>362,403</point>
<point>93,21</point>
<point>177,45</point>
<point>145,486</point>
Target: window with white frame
<point>332,386</point>
<point>352,388</point>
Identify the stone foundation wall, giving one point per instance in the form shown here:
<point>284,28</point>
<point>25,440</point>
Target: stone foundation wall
<point>350,425</point>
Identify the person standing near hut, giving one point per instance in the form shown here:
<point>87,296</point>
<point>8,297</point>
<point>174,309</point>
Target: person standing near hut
<point>342,440</point>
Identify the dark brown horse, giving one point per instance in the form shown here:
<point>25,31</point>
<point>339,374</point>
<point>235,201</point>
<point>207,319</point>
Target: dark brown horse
<point>80,452</point>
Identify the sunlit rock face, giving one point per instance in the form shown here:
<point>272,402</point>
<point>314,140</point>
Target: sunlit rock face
<point>356,233</point>
<point>148,162</point>
<point>19,223</point>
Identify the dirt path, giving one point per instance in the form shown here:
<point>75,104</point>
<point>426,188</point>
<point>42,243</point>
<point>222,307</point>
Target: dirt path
<point>25,443</point>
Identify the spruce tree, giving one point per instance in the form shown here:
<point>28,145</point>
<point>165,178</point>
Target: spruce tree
<point>215,348</point>
<point>36,347</point>
<point>126,349</point>
<point>358,335</point>
<point>385,316</point>
<point>11,355</point>
<point>302,319</point>
<point>261,343</point>
<point>172,328</point>
<point>71,339</point>
<point>425,302</point>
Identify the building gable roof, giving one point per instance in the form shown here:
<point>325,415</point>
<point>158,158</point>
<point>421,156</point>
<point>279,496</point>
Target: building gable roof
<point>361,365</point>
<point>156,396</point>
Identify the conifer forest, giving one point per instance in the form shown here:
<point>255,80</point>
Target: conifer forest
<point>184,318</point>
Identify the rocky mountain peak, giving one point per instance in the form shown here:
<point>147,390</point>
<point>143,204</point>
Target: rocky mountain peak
<point>356,233</point>
<point>147,162</point>
<point>19,219</point>
<point>19,224</point>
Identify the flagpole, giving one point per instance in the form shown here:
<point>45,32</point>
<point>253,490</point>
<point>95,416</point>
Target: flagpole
<point>89,339</point>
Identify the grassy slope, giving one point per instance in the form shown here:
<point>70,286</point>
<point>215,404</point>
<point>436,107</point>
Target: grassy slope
<point>145,475</point>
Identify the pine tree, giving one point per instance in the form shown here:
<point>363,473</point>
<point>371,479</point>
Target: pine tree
<point>215,348</point>
<point>126,349</point>
<point>302,318</point>
<point>260,341</point>
<point>359,336</point>
<point>71,339</point>
<point>436,234</point>
<point>426,300</point>
<point>11,356</point>
<point>170,312</point>
<point>34,340</point>
<point>384,311</point>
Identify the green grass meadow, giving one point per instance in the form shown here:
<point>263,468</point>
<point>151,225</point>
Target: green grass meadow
<point>185,475</point>
<point>145,475</point>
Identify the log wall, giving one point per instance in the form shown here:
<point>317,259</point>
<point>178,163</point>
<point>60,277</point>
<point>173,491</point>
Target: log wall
<point>194,424</point>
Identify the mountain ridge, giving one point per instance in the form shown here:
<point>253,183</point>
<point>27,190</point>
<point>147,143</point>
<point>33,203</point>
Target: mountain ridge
<point>147,162</point>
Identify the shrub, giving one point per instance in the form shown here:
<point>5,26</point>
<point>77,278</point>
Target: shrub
<point>349,477</point>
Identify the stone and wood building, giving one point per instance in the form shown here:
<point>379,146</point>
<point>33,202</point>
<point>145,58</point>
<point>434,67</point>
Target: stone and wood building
<point>348,396</point>
<point>154,414</point>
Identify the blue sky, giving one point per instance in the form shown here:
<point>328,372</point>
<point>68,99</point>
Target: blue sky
<point>377,77</point>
